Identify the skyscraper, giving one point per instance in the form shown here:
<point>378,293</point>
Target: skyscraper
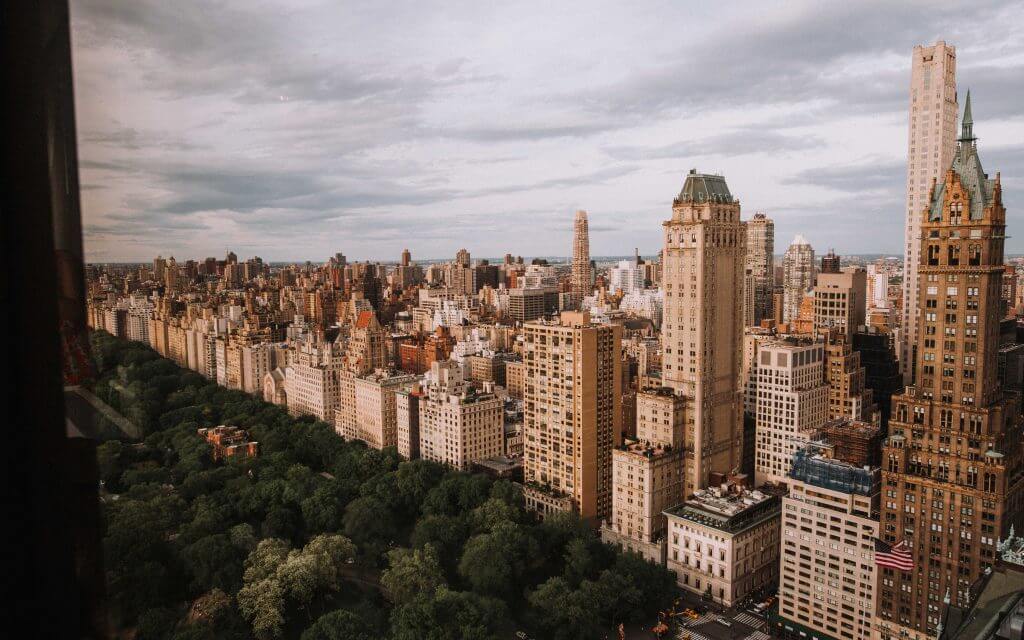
<point>705,248</point>
<point>951,467</point>
<point>761,263</point>
<point>580,257</point>
<point>930,147</point>
<point>797,276</point>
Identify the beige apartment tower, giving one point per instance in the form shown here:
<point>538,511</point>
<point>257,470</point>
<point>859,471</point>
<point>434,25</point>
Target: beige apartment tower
<point>840,301</point>
<point>647,475</point>
<point>931,143</point>
<point>572,414</point>
<point>365,353</point>
<point>376,409</point>
<point>848,393</point>
<point>458,423</point>
<point>702,329</point>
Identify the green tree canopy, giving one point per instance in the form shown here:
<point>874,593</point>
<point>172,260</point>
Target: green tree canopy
<point>412,572</point>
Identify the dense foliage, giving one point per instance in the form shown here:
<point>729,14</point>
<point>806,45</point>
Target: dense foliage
<point>319,538</point>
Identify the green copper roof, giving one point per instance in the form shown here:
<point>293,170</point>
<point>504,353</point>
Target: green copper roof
<point>702,187</point>
<point>967,165</point>
<point>967,123</point>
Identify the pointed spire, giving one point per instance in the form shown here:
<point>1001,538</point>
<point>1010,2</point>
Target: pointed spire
<point>967,124</point>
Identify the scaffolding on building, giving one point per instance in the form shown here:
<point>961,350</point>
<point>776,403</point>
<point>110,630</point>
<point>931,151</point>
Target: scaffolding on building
<point>815,465</point>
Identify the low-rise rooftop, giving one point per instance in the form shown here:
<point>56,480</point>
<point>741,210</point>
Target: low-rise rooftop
<point>728,511</point>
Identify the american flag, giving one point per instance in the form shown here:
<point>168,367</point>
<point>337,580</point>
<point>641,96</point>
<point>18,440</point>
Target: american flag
<point>894,556</point>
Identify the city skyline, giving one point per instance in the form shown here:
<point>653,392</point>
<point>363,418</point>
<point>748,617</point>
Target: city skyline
<point>218,129</point>
<point>482,321</point>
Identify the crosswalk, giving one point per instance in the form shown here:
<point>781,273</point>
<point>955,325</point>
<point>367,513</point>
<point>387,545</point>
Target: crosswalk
<point>758,635</point>
<point>707,617</point>
<point>689,634</point>
<point>749,619</point>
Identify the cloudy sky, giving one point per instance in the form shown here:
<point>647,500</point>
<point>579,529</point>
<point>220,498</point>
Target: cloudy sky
<point>293,130</point>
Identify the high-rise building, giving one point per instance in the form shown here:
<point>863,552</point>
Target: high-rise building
<point>365,353</point>
<point>840,300</point>
<point>312,381</point>
<point>792,403</point>
<point>626,277</point>
<point>753,338</point>
<point>827,569</point>
<point>952,466</point>
<point>760,261</point>
<point>702,330</point>
<point>647,474</point>
<point>407,421</point>
<point>572,414</point>
<point>797,276</point>
<point>830,262</point>
<point>459,423</point>
<point>159,264</point>
<point>881,369</point>
<point>749,294</point>
<point>581,273</point>
<point>848,394</point>
<point>931,143</point>
<point>376,409</point>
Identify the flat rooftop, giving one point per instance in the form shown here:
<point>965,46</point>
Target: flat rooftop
<point>730,512</point>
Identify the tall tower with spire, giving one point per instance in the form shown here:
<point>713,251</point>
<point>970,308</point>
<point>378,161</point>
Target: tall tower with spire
<point>580,257</point>
<point>952,467</point>
<point>702,329</point>
<point>931,142</point>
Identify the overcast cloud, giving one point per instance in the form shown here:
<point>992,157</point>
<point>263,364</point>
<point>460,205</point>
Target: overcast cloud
<point>294,130</point>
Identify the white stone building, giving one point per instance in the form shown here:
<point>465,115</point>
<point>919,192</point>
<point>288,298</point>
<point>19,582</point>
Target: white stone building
<point>723,543</point>
<point>792,402</point>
